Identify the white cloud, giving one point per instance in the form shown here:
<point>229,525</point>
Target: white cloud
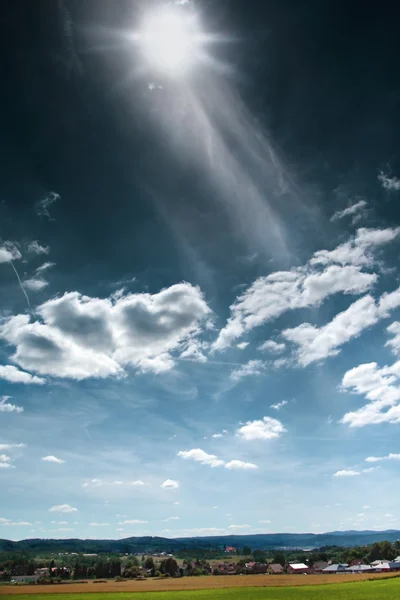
<point>44,267</point>
<point>355,210</point>
<point>389,183</point>
<point>132,522</point>
<point>316,343</point>
<point>357,251</point>
<point>265,521</point>
<point>239,526</point>
<point>381,389</point>
<point>98,524</point>
<point>137,483</point>
<point>36,248</point>
<point>202,457</point>
<point>272,346</point>
<point>279,405</point>
<point>265,429</point>
<point>394,343</point>
<point>79,336</point>
<point>9,446</point>
<point>170,484</point>
<point>63,508</point>
<point>346,473</point>
<point>53,459</point>
<point>59,522</point>
<point>373,459</point>
<point>370,469</point>
<point>242,345</point>
<point>6,406</point>
<point>217,435</point>
<point>35,285</point>
<point>240,465</point>
<point>270,297</point>
<point>19,523</point>
<point>172,519</point>
<point>42,206</point>
<point>94,483</point>
<point>14,375</point>
<point>5,462</point>
<point>9,252</point>
<point>253,367</point>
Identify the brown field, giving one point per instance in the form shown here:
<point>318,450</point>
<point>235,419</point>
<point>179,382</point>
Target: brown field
<point>189,583</point>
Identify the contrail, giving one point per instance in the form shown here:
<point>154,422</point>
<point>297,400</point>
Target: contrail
<point>22,287</point>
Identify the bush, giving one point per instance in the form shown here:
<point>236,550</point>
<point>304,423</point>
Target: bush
<point>100,581</point>
<point>157,574</point>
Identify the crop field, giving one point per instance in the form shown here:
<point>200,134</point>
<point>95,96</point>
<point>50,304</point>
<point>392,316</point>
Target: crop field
<point>251,587</point>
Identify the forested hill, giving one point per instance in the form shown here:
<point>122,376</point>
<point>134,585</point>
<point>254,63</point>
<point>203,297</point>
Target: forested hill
<point>158,544</point>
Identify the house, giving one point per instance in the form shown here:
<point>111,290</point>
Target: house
<point>227,568</point>
<point>356,561</point>
<point>338,568</point>
<point>381,565</point>
<point>230,550</point>
<point>275,569</point>
<point>42,572</point>
<point>300,568</point>
<point>360,569</point>
<point>319,566</point>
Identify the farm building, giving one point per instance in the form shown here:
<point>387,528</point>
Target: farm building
<point>275,569</point>
<point>360,569</point>
<point>338,568</point>
<point>300,568</point>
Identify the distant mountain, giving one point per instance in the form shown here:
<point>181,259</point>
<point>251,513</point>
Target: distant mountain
<point>153,544</point>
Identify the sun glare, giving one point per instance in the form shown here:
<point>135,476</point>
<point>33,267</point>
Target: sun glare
<point>170,41</point>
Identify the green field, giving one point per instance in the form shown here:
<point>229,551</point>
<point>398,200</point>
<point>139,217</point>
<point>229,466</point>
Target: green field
<point>368,590</point>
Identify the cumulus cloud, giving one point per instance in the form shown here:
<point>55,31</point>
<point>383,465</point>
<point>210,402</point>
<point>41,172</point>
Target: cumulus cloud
<point>170,484</point>
<point>9,252</point>
<point>316,343</point>
<point>36,248</point>
<point>356,211</point>
<point>14,375</point>
<point>63,508</point>
<point>172,519</point>
<point>328,272</point>
<point>53,459</point>
<point>198,455</point>
<point>389,183</point>
<point>253,367</point>
<point>6,406</point>
<point>374,459</point>
<point>80,336</point>
<point>132,522</point>
<point>242,345</point>
<point>272,346</point>
<point>265,429</point>
<point>202,457</point>
<point>380,386</point>
<point>346,473</point>
<point>35,285</point>
<point>5,461</point>
<point>240,465</point>
<point>394,343</point>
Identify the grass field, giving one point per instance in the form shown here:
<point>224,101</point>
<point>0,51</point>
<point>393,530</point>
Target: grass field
<point>268,588</point>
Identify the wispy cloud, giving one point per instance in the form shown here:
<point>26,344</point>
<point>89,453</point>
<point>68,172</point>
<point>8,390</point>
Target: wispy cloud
<point>279,405</point>
<point>198,455</point>
<point>35,285</point>
<point>10,446</point>
<point>5,461</point>
<point>44,267</point>
<point>346,473</point>
<point>240,465</point>
<point>389,183</point>
<point>253,367</point>
<point>42,206</point>
<point>356,211</point>
<point>36,248</point>
<point>272,346</point>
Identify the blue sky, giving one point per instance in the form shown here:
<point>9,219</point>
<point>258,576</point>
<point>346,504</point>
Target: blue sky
<point>199,303</point>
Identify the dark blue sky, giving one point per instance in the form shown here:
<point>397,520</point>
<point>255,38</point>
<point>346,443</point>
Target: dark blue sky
<point>202,254</point>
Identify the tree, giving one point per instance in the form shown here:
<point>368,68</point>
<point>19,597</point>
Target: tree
<point>246,551</point>
<point>169,566</point>
<point>375,553</point>
<point>259,556</point>
<point>149,564</point>
<point>279,559</point>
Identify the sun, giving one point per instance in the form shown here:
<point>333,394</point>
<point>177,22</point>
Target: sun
<point>170,40</point>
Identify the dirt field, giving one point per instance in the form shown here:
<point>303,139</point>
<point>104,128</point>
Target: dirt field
<point>187,583</point>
